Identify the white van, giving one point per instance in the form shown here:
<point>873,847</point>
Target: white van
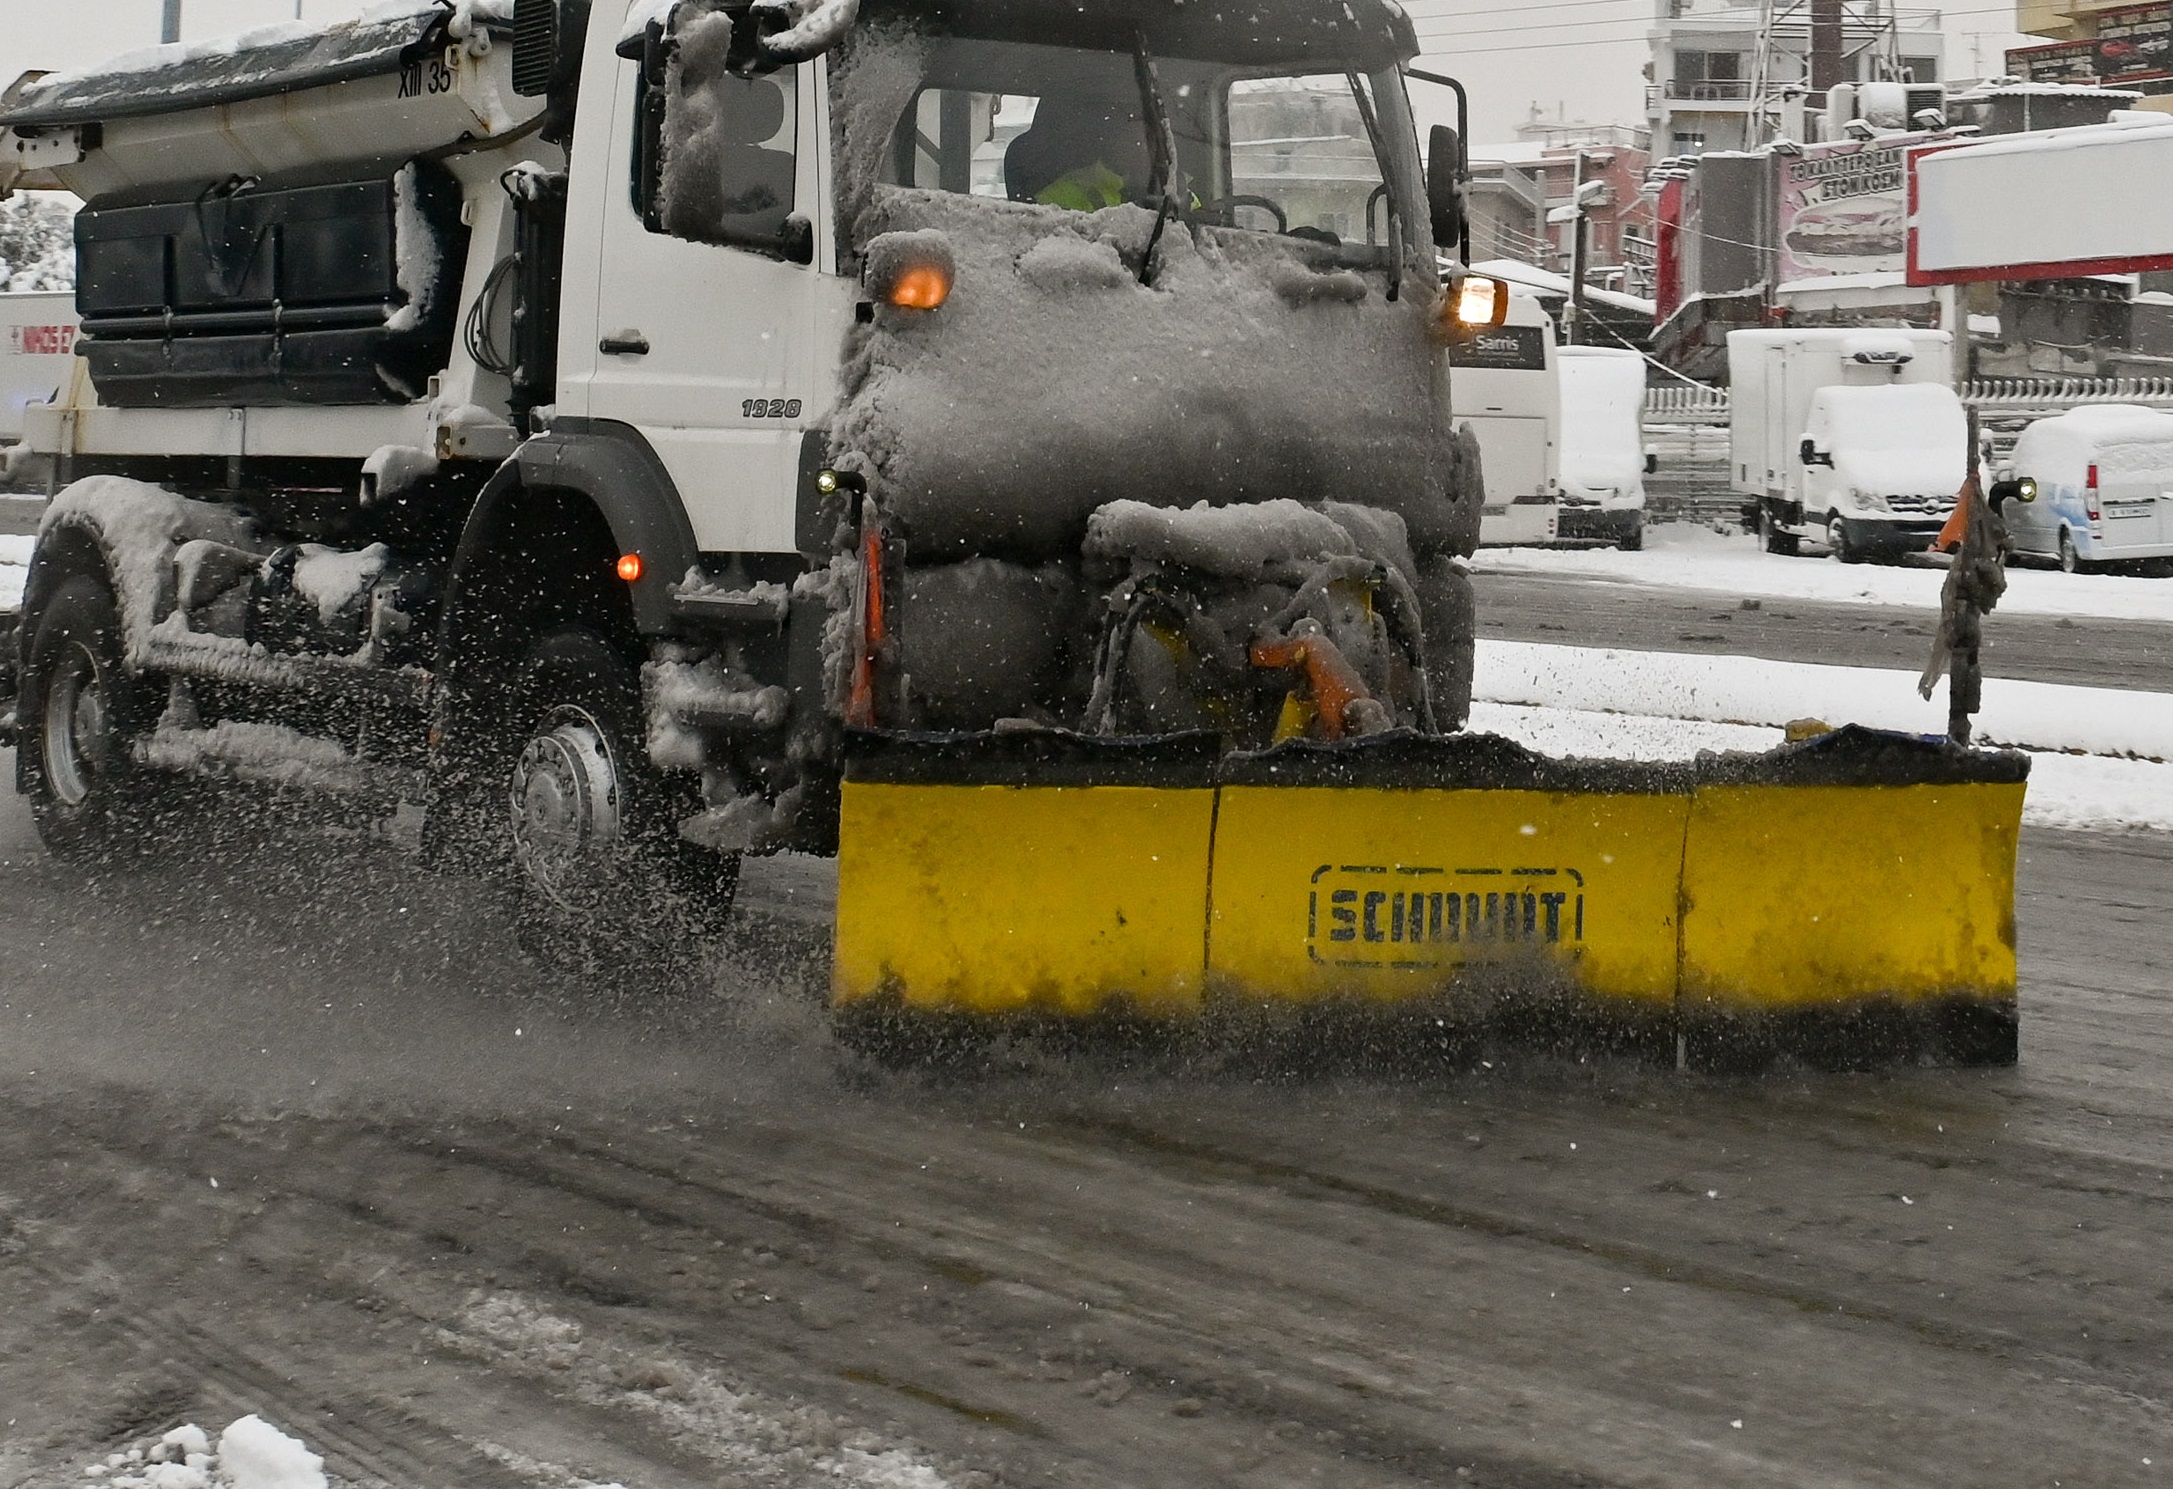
<point>2104,478</point>
<point>1603,443</point>
<point>1503,383</point>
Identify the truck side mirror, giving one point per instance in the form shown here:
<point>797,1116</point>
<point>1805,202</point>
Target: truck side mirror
<point>1652,462</point>
<point>1808,453</point>
<point>1445,186</point>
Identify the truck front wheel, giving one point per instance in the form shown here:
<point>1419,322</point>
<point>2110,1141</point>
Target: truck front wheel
<point>607,884</point>
<point>82,709</point>
<point>1838,546</point>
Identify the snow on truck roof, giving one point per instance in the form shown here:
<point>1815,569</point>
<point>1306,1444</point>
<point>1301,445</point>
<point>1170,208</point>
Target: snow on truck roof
<point>251,64</point>
<point>1368,33</point>
<point>294,55</point>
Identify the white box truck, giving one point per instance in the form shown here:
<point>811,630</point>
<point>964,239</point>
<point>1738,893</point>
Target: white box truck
<point>1507,388</point>
<point>2104,479</point>
<point>1851,440</point>
<point>37,357</point>
<point>1603,444</point>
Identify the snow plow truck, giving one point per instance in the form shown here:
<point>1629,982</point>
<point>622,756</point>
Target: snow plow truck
<point>1004,443</point>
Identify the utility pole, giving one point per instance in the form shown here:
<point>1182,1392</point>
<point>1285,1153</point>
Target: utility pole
<point>169,28</point>
<point>1578,255</point>
<point>1826,45</point>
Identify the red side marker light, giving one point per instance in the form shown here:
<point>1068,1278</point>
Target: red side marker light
<point>629,567</point>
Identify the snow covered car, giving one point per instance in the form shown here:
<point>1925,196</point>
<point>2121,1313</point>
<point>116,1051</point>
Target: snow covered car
<point>2104,479</point>
<point>1603,444</point>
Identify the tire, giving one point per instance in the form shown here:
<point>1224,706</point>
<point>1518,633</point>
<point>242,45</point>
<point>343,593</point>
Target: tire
<point>1838,546</point>
<point>1787,545</point>
<point>1449,611</point>
<point>2071,562</point>
<point>607,886</point>
<point>81,711</point>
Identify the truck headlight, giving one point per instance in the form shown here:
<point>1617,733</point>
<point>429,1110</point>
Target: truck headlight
<point>1872,501</point>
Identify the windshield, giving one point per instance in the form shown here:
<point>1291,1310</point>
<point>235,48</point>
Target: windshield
<point>1266,151</point>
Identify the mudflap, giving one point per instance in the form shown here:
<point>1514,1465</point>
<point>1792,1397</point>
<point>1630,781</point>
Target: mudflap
<point>1848,900</point>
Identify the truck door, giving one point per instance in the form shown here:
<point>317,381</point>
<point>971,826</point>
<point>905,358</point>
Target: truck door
<point>702,332</point>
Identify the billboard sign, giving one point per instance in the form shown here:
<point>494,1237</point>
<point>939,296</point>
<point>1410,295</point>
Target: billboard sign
<point>1842,209</point>
<point>2056,205</point>
<point>2133,45</point>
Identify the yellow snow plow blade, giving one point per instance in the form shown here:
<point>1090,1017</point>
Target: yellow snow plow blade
<point>996,874</point>
<point>1850,898</point>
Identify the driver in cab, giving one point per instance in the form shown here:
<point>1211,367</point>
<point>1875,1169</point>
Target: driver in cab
<point>1082,152</point>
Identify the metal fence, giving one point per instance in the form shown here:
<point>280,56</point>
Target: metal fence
<point>1683,403</point>
<point>2039,397</point>
<point>2006,397</point>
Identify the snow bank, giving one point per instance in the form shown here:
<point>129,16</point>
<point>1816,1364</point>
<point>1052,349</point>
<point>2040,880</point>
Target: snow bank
<point>1751,690</point>
<point>251,1454</point>
<point>1688,556</point>
<point>2089,792</point>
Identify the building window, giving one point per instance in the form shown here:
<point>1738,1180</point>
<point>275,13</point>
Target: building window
<point>1920,69</point>
<point>1708,67</point>
<point>1690,144</point>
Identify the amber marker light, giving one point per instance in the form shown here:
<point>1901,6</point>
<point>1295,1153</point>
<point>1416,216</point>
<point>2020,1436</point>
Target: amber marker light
<point>920,287</point>
<point>1481,302</point>
<point>630,567</point>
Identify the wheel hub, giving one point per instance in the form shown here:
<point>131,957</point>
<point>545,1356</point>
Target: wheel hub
<point>565,801</point>
<point>74,728</point>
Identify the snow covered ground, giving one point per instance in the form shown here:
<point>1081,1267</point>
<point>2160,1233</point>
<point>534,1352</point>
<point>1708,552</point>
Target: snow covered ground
<point>2099,754</point>
<point>14,569</point>
<point>1682,555</point>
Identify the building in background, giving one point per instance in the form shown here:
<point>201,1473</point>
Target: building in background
<point>1517,187</point>
<point>2124,46</point>
<point>1732,77</point>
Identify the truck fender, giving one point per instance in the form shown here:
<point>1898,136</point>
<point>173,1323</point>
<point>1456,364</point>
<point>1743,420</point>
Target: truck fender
<point>612,467</point>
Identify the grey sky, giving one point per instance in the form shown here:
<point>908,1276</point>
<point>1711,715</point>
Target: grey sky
<point>1582,56</point>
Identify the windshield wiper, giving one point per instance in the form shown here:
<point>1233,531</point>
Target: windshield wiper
<point>1164,144</point>
<point>1371,120</point>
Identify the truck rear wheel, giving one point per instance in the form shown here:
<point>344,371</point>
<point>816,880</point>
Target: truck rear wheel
<point>81,711</point>
<point>608,886</point>
<point>1785,544</point>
